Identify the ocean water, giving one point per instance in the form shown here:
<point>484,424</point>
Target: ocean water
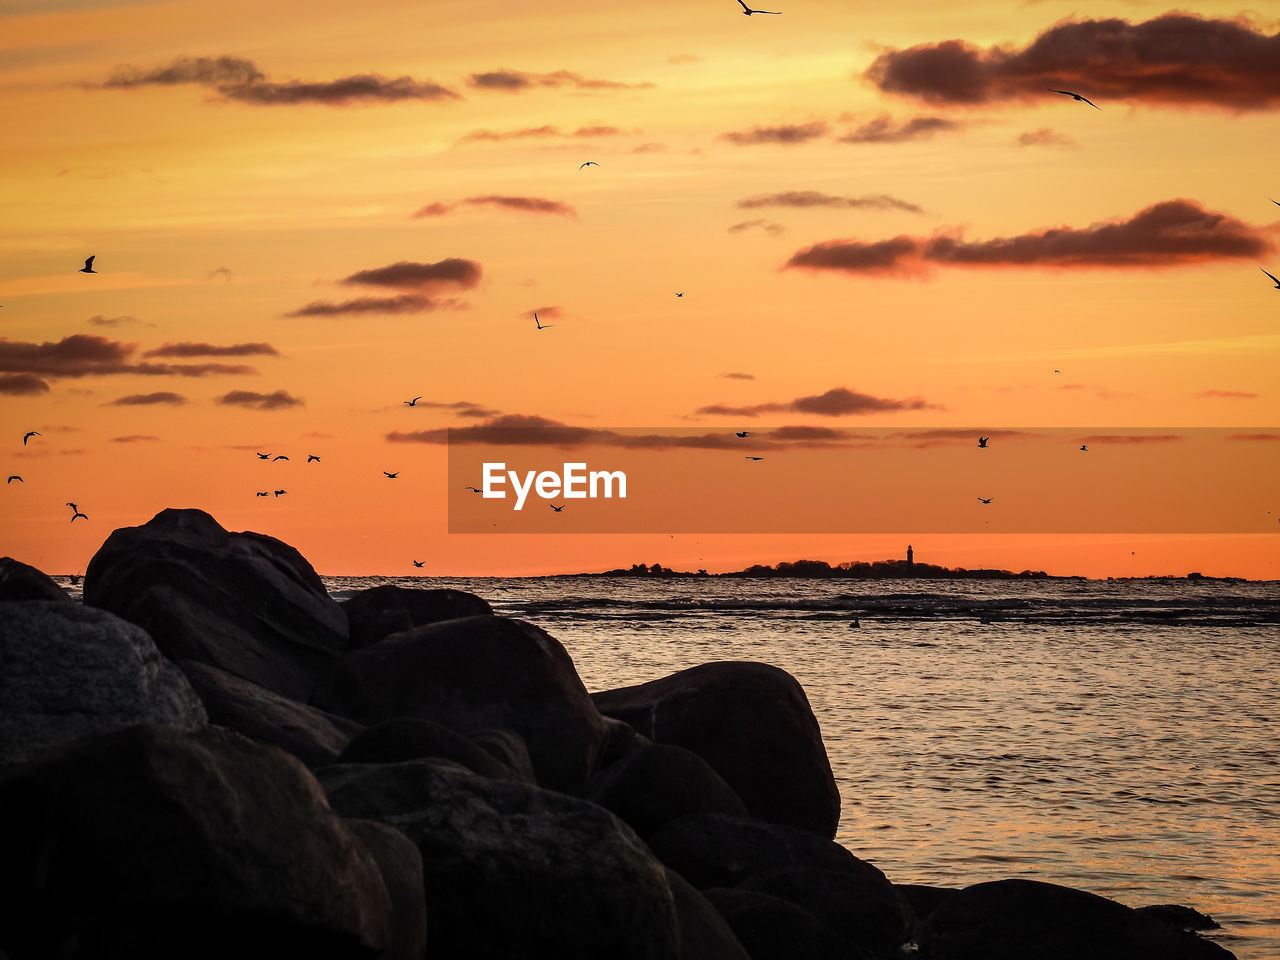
<point>1120,737</point>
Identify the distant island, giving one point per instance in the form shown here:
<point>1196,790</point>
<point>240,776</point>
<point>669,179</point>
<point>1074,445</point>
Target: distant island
<point>821,570</point>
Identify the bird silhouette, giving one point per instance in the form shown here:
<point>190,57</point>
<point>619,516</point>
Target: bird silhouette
<point>753,458</point>
<point>263,493</point>
<point>474,489</point>
<point>742,433</point>
<point>413,402</point>
<point>986,499</point>
<point>15,477</point>
<point>982,442</point>
<point>391,475</point>
<point>748,11</point>
<point>541,325</point>
<point>72,505</point>
<point>88,266</point>
<point>678,295</point>
<point>1084,447</point>
<point>1276,202</point>
<point>1057,371</point>
<point>312,456</point>
<point>76,513</point>
<point>278,492</point>
<point>555,508</point>
<point>281,457</point>
<point>28,436</point>
<point>1073,96</point>
<point>418,563</point>
<point>264,456</point>
<point>589,163</point>
<point>1273,278</point>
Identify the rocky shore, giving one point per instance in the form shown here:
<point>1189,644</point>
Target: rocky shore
<point>211,758</point>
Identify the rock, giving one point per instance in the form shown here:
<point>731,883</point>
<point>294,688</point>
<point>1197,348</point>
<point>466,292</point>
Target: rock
<point>512,870</point>
<point>21,582</point>
<point>147,843</point>
<point>401,866</point>
<point>243,602</point>
<point>409,738</point>
<point>658,783</point>
<point>378,612</point>
<point>922,899</point>
<point>475,673</point>
<point>704,933</point>
<point>753,724</point>
<point>509,749</point>
<point>311,735</point>
<point>1016,919</point>
<point>67,671</point>
<point>1184,918</point>
<point>860,905</point>
<point>770,928</point>
<point>712,850</point>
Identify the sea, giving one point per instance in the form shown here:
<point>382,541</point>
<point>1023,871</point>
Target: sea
<point>1116,736</point>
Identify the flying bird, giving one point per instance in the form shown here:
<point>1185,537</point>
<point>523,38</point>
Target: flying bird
<point>281,457</point>
<point>72,505</point>
<point>541,325</point>
<point>1084,447</point>
<point>986,499</point>
<point>742,433</point>
<point>474,489</point>
<point>1057,371</point>
<point>1073,96</point>
<point>982,442</point>
<point>555,508</point>
<point>391,475</point>
<point>748,11</point>
<point>28,436</point>
<point>77,514</point>
<point>418,563</point>
<point>1271,275</point>
<point>88,266</point>
<point>15,477</point>
<point>678,295</point>
<point>1276,202</point>
<point>264,456</point>
<point>263,493</point>
<point>413,402</point>
<point>753,458</point>
<point>589,163</point>
<point>312,456</point>
<point>278,492</point>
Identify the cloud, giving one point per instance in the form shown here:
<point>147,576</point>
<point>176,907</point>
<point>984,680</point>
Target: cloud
<point>209,350</point>
<point>149,399</point>
<point>551,312</point>
<point>649,148</point>
<point>884,129</point>
<point>238,79</point>
<point>223,272</point>
<point>738,376</point>
<point>546,130</point>
<point>837,402</point>
<point>812,198</point>
<point>1175,59</point>
<point>424,280</point>
<point>1044,137</point>
<point>22,385</point>
<point>1255,437</point>
<point>520,204</point>
<point>514,81</point>
<point>1168,234</point>
<point>98,320</point>
<point>278,400</point>
<point>1128,439</point>
<point>787,133</point>
<point>768,226</point>
<point>136,438</point>
<point>1228,394</point>
<point>84,355</point>
<point>944,436</point>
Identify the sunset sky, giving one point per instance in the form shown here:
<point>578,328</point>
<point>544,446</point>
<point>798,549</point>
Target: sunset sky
<point>879,216</point>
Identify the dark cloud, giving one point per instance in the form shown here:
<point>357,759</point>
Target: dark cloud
<point>546,130</point>
<point>22,385</point>
<point>738,376</point>
<point>1167,234</point>
<point>405,303</point>
<point>278,400</point>
<point>1175,59</point>
<point>837,402</point>
<point>884,129</point>
<point>551,312</point>
<point>766,225</point>
<point>948,437</point>
<point>1127,439</point>
<point>424,279</point>
<point>514,81</point>
<point>223,272</point>
<point>78,355</point>
<point>787,133</point>
<point>812,198</point>
<point>521,204</point>
<point>1228,394</point>
<point>98,320</point>
<point>136,438</point>
<point>1044,137</point>
<point>1255,437</point>
<point>149,399</point>
<point>207,71</point>
<point>210,350</point>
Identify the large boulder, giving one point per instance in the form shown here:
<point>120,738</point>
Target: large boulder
<point>475,673</point>
<point>67,671</point>
<point>1016,919</point>
<point>753,724</point>
<point>243,602</point>
<point>409,738</point>
<point>770,928</point>
<point>21,582</point>
<point>150,843</point>
<point>311,735</point>
<point>378,612</point>
<point>512,870</point>
<point>704,932</point>
<point>401,866</point>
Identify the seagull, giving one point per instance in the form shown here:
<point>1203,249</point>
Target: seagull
<point>982,442</point>
<point>28,436</point>
<point>15,477</point>
<point>589,163</point>
<point>1084,447</point>
<point>77,514</point>
<point>278,492</point>
<point>418,563</point>
<point>1073,96</point>
<point>1271,275</point>
<point>72,505</point>
<point>541,325</point>
<point>391,475</point>
<point>753,458</point>
<point>263,493</point>
<point>742,433</point>
<point>748,11</point>
<point>413,402</point>
<point>312,456</point>
<point>1276,202</point>
<point>1057,371</point>
<point>264,456</point>
<point>678,295</point>
<point>555,508</point>
<point>281,457</point>
<point>986,499</point>
<point>474,489</point>
<point>88,266</point>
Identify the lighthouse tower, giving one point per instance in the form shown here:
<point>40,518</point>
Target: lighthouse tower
<point>910,556</point>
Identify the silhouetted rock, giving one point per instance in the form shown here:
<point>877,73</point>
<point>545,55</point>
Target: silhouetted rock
<point>858,903</point>
<point>21,582</point>
<point>770,928</point>
<point>67,671</point>
<point>1017,919</point>
<point>475,673</point>
<point>244,602</point>
<point>311,735</point>
<point>753,724</point>
<point>378,612</point>
<point>149,843</point>
<point>704,933</point>
<point>1184,918</point>
<point>923,899</point>
<point>713,850</point>
<point>512,870</point>
<point>659,783</point>
<point>401,866</point>
<point>508,748</point>
<point>409,738</point>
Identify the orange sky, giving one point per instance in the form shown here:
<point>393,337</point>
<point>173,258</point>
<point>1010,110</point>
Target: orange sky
<point>843,207</point>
